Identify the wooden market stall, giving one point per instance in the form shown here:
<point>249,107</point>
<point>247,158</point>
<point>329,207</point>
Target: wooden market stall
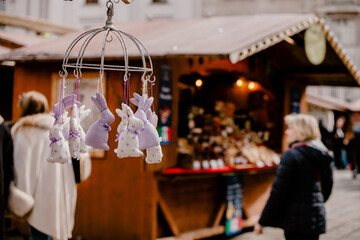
<point>128,199</point>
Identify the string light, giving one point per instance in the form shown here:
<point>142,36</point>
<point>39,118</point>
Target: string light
<point>251,85</point>
<point>198,83</point>
<point>240,82</point>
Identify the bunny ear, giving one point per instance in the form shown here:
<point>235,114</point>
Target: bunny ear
<point>142,101</point>
<point>148,114</point>
<point>134,101</point>
<point>101,100</point>
<point>129,111</point>
<point>119,112</point>
<point>94,99</point>
<point>148,103</point>
<point>137,96</point>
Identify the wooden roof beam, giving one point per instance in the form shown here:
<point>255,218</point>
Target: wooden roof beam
<point>34,24</point>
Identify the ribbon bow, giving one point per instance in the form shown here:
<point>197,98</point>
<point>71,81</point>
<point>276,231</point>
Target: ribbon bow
<point>133,131</point>
<point>74,134</point>
<point>53,140</point>
<point>106,126</point>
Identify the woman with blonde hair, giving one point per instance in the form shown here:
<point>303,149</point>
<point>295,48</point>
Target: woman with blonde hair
<point>302,184</point>
<point>51,185</point>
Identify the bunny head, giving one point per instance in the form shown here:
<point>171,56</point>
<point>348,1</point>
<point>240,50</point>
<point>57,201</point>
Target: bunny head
<point>134,123</point>
<point>142,102</point>
<point>99,101</point>
<point>56,131</point>
<point>124,119</point>
<point>62,119</point>
<point>106,116</point>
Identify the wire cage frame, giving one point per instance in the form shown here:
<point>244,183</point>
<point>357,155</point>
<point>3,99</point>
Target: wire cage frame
<point>109,32</point>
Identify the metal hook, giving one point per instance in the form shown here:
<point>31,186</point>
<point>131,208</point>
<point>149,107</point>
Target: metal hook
<point>127,76</point>
<point>154,78</point>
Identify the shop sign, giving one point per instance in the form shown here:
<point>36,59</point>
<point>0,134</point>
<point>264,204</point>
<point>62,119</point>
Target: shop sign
<point>165,101</point>
<point>233,213</point>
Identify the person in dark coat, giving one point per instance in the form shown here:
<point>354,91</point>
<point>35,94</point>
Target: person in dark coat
<point>6,171</point>
<point>353,147</point>
<point>338,142</point>
<point>302,184</point>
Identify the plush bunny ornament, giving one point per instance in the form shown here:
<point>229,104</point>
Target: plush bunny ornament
<point>59,147</point>
<point>153,151</point>
<point>153,154</point>
<point>148,136</point>
<point>74,134</point>
<point>97,135</point>
<point>128,130</point>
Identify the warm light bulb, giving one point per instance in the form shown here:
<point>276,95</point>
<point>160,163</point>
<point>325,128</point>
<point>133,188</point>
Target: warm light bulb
<point>251,85</point>
<point>199,83</point>
<point>239,82</point>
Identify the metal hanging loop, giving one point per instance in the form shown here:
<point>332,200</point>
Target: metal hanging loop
<point>109,34</point>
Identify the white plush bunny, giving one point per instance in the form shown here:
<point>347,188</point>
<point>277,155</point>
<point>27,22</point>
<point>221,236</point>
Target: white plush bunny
<point>59,146</point>
<point>124,121</point>
<point>148,136</point>
<point>83,114</point>
<point>97,135</point>
<point>74,134</point>
<point>153,154</point>
<point>64,120</point>
<point>128,145</point>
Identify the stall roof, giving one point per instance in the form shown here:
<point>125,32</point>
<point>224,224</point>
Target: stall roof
<point>235,37</point>
<point>12,40</point>
<point>327,102</point>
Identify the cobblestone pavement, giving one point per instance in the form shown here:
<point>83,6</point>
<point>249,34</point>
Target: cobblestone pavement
<point>342,208</point>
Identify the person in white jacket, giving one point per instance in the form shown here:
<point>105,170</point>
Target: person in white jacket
<point>52,185</point>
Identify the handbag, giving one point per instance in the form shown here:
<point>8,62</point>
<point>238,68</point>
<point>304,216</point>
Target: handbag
<point>20,203</point>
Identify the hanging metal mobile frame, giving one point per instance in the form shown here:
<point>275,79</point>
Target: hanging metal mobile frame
<point>120,35</point>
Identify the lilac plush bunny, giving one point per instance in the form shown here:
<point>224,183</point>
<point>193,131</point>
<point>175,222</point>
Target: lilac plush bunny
<point>148,136</point>
<point>128,131</point>
<point>97,135</point>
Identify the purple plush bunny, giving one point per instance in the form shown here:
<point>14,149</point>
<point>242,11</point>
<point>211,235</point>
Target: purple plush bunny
<point>148,136</point>
<point>97,135</point>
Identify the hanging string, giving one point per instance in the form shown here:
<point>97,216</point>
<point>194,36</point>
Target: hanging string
<point>100,88</point>
<point>62,89</point>
<point>152,84</point>
<point>128,91</point>
<point>76,91</point>
<point>125,100</point>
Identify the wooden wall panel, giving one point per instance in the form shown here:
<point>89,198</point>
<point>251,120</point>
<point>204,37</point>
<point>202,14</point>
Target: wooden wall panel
<point>32,76</point>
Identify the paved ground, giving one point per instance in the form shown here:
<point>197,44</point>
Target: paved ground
<point>343,212</point>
